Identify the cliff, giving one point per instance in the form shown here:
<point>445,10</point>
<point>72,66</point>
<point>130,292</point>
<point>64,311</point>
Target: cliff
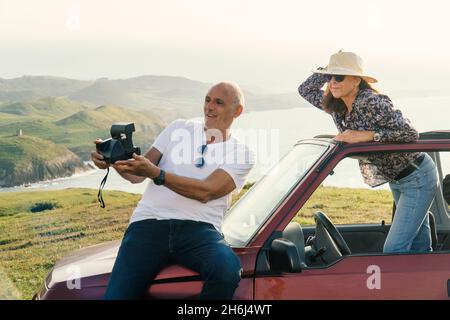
<point>27,159</point>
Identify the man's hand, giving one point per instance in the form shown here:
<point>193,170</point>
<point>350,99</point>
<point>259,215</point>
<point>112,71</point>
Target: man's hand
<point>97,158</point>
<point>355,136</point>
<point>138,166</point>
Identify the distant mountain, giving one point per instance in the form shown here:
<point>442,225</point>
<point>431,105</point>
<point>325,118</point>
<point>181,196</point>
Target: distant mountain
<point>179,94</point>
<point>34,87</point>
<point>145,92</point>
<point>48,107</point>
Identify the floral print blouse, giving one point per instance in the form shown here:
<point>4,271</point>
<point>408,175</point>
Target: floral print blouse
<point>372,112</point>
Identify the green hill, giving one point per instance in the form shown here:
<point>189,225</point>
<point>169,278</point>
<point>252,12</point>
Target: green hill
<point>27,159</point>
<point>45,129</point>
<point>6,118</point>
<point>48,107</point>
<point>82,128</point>
<point>76,125</point>
<point>18,109</point>
<point>106,116</point>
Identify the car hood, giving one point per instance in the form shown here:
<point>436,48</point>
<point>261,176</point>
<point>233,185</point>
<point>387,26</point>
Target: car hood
<point>94,265</point>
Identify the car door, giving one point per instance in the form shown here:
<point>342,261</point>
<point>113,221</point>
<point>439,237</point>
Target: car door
<point>401,276</point>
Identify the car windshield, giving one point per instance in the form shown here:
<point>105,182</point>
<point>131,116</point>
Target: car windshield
<point>257,205</point>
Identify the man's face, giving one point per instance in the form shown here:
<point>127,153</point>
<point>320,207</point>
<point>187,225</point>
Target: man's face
<point>220,108</point>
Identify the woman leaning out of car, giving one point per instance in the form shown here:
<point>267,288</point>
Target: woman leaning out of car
<point>361,114</point>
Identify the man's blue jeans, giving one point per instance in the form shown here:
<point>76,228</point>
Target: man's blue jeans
<point>150,245</point>
<point>413,195</point>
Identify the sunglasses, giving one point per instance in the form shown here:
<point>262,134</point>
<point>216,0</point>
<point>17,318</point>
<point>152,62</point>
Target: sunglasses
<point>338,77</point>
<point>200,162</point>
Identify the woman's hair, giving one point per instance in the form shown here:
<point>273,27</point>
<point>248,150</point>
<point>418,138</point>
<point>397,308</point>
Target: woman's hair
<point>331,104</point>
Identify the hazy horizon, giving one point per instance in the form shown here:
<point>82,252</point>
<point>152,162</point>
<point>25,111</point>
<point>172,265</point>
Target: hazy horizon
<point>255,43</point>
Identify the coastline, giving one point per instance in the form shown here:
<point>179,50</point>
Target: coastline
<point>79,172</point>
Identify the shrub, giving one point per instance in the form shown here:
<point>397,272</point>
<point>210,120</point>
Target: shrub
<point>42,206</point>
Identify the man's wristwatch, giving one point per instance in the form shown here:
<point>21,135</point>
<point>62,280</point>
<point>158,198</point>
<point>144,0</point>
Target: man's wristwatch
<point>161,179</point>
<point>376,137</point>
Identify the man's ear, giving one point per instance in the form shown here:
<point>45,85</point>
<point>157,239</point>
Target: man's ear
<point>238,111</point>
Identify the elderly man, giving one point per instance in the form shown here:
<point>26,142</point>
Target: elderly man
<point>194,167</point>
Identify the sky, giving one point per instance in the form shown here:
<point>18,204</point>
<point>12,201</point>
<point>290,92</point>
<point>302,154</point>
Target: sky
<point>269,44</point>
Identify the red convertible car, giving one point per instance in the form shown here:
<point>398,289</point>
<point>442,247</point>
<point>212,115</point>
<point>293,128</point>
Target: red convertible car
<point>283,259</point>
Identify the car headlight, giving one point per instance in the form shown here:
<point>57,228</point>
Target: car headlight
<point>48,279</point>
<point>44,287</point>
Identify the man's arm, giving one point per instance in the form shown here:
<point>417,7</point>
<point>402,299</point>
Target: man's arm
<point>216,185</point>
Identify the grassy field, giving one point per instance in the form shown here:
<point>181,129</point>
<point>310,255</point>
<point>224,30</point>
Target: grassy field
<point>30,243</point>
<point>347,205</point>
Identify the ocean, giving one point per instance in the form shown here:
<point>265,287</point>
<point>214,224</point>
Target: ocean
<point>271,134</point>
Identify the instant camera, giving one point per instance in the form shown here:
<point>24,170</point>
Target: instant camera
<point>119,146</point>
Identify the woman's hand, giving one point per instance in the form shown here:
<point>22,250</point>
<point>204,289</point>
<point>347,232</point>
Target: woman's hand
<point>138,166</point>
<point>355,136</point>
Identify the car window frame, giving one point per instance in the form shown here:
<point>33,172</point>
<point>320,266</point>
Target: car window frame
<point>282,215</point>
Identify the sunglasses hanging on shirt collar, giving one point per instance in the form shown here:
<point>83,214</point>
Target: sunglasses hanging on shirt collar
<point>200,162</point>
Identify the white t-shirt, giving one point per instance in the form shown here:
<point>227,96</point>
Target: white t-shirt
<point>180,144</point>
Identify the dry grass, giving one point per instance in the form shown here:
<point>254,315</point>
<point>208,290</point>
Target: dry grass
<point>30,243</point>
<point>347,205</point>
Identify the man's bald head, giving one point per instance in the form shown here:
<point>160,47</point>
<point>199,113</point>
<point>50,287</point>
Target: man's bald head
<point>234,91</point>
<point>224,102</point>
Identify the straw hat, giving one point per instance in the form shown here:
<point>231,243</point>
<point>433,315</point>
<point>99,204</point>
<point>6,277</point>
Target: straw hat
<point>346,63</point>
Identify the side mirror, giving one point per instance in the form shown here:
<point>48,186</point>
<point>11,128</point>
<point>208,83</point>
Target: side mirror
<point>283,256</point>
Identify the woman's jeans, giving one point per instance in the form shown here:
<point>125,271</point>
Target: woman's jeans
<point>150,245</point>
<point>413,195</point>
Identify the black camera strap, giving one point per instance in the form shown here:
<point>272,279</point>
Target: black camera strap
<point>100,189</point>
